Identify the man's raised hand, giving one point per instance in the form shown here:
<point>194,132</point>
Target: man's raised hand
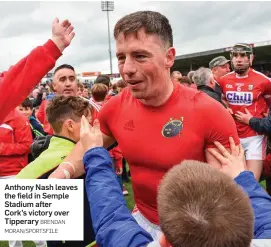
<point>62,33</point>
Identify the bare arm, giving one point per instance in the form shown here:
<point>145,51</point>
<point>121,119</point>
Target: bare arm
<point>75,159</point>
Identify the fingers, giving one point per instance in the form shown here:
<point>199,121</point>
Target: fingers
<point>85,124</point>
<point>241,151</point>
<point>82,129</point>
<point>65,23</point>
<point>247,111</point>
<point>222,150</point>
<point>55,21</point>
<point>69,29</point>
<point>234,148</point>
<point>71,35</point>
<point>230,110</point>
<point>96,124</point>
<point>218,156</point>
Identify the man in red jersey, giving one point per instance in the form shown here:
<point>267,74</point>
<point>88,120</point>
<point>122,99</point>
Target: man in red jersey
<point>19,81</point>
<point>157,122</point>
<point>245,89</point>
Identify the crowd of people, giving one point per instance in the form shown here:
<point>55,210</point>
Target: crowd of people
<point>195,144</point>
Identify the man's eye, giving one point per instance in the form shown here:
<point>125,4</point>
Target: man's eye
<point>140,56</point>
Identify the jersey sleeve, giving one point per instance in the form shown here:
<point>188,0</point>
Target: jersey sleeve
<point>267,87</point>
<point>107,115</point>
<point>218,124</point>
<point>20,80</point>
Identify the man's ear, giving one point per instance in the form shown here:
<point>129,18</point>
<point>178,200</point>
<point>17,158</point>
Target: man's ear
<point>163,241</point>
<point>170,57</point>
<point>54,86</point>
<point>251,58</point>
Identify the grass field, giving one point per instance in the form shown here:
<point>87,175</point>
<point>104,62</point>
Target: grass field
<point>130,204</point>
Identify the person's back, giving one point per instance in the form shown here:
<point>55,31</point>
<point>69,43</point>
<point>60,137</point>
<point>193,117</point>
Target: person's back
<point>64,115</point>
<point>15,141</point>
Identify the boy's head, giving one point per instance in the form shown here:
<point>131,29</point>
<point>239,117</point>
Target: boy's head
<point>103,79</point>
<point>64,115</point>
<point>26,108</point>
<point>201,206</point>
<point>99,92</point>
<point>80,90</point>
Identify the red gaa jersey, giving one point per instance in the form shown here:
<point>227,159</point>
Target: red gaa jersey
<point>246,92</point>
<point>154,139</point>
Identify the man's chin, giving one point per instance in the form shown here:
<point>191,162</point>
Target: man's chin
<point>69,93</point>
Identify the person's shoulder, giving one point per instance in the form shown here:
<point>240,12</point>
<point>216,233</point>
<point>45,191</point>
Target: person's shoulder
<point>226,77</point>
<point>260,75</point>
<point>205,103</point>
<point>187,92</point>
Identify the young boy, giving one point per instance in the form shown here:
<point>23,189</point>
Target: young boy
<point>26,108</point>
<point>64,115</point>
<point>217,213</point>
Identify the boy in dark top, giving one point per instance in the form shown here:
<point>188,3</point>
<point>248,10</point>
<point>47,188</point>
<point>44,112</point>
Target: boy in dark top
<point>26,108</point>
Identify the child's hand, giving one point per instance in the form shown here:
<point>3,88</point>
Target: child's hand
<point>90,137</point>
<point>231,164</point>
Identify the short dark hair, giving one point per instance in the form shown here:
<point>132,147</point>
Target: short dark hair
<point>203,208</point>
<point>27,103</point>
<point>104,79</point>
<point>64,66</point>
<point>152,22</point>
<point>61,108</point>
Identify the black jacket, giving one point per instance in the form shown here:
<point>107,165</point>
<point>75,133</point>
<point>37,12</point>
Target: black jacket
<point>261,125</point>
<point>212,93</point>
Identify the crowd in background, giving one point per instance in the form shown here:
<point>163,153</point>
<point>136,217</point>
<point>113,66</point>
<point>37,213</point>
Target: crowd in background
<point>155,120</point>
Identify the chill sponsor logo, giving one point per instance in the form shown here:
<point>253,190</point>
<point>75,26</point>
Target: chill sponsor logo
<point>239,98</point>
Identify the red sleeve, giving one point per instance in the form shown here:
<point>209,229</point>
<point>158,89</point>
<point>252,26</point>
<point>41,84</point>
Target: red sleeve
<point>41,112</point>
<point>267,87</point>
<point>218,124</point>
<point>22,77</point>
<point>22,138</point>
<point>107,115</point>
<point>116,153</point>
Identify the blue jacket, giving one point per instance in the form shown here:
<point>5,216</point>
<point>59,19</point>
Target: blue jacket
<point>112,221</point>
